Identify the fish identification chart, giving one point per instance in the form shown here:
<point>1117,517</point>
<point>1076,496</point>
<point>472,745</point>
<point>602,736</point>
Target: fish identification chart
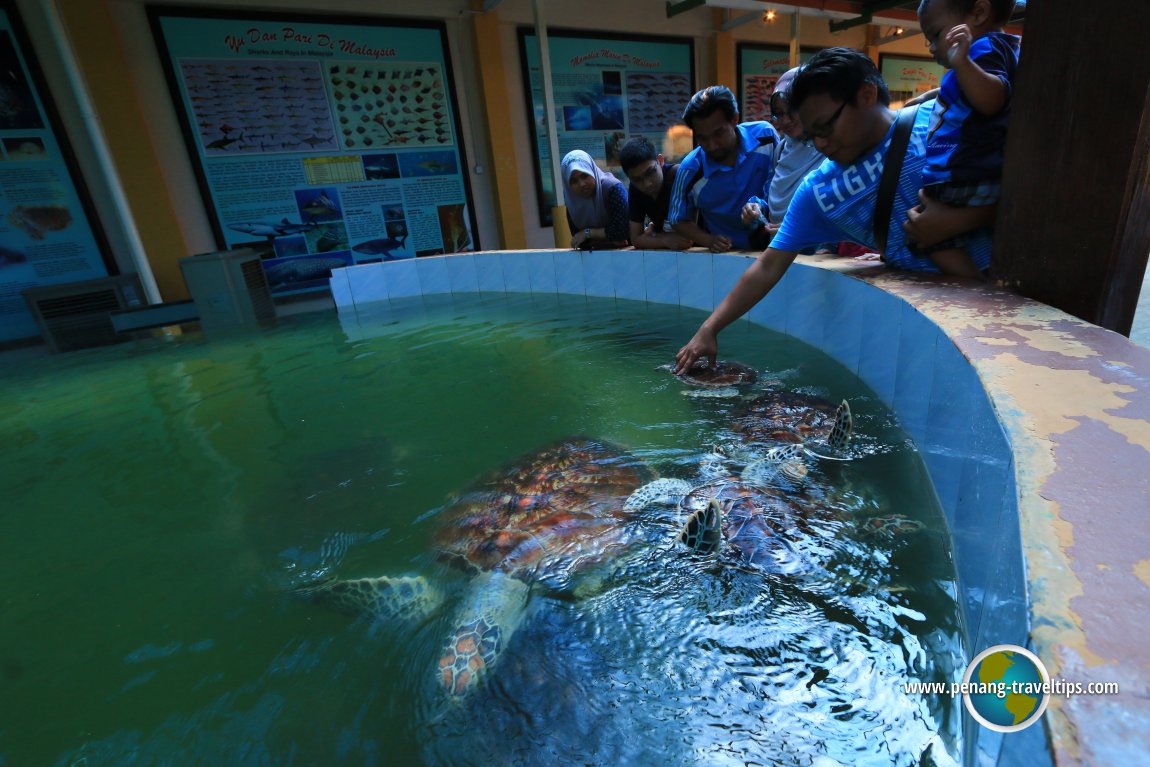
<point>760,67</point>
<point>607,89</point>
<point>329,141</point>
<point>48,234</point>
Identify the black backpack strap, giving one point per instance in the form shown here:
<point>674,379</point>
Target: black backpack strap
<point>891,167</point>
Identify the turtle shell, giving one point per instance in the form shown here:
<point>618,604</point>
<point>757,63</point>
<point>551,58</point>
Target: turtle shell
<point>721,375</point>
<point>546,515</point>
<point>760,524</point>
<point>783,416</point>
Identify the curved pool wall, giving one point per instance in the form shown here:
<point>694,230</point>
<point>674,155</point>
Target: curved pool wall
<point>1034,426</point>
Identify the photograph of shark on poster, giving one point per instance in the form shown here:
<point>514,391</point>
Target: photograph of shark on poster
<point>319,142</point>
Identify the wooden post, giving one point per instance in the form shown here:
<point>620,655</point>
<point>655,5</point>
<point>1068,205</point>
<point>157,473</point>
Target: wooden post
<point>723,52</point>
<point>497,113</point>
<point>91,28</point>
<point>1073,227</point>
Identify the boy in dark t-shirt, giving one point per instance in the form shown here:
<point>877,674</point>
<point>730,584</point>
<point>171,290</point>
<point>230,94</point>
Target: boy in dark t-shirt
<point>649,196</point>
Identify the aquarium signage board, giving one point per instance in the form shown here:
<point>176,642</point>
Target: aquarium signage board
<point>48,233</point>
<point>760,67</point>
<point>328,141</point>
<point>607,89</point>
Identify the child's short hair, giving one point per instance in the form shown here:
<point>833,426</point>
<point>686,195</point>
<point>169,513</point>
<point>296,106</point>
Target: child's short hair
<point>637,150</point>
<point>999,9</point>
<point>839,73</point>
<point>708,101</point>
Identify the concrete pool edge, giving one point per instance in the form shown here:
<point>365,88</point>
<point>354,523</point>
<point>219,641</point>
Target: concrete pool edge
<point>1035,427</point>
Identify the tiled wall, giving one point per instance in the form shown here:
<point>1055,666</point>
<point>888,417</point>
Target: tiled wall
<point>911,365</point>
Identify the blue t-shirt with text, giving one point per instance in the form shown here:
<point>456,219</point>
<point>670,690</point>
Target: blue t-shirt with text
<point>836,202</point>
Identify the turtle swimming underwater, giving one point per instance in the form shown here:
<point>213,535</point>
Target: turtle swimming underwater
<point>780,427</point>
<point>745,519</point>
<point>719,380</point>
<point>545,518</point>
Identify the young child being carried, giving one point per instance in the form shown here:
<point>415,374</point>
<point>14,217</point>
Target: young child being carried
<point>968,126</point>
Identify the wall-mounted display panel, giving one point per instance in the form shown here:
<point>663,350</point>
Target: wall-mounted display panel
<point>759,68</point>
<point>330,140</point>
<point>607,89</point>
<point>909,76</point>
<point>48,230</point>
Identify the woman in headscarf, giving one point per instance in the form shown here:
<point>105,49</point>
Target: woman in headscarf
<point>596,203</point>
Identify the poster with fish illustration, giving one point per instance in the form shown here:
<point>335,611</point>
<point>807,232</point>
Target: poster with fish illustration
<point>322,141</point>
<point>48,230</point>
<point>909,76</point>
<point>759,67</point>
<point>607,89</point>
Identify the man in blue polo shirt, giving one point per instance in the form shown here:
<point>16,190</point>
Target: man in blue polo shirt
<point>844,106</point>
<point>731,164</point>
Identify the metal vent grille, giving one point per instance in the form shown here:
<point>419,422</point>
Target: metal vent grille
<point>81,303</point>
<point>77,315</point>
<point>257,285</point>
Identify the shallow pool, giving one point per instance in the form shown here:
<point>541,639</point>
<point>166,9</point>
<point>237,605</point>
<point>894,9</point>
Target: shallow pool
<point>160,496</point>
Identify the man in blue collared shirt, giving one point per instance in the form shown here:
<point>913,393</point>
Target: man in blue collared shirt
<point>731,164</point>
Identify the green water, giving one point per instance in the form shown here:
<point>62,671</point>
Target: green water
<point>159,496</point>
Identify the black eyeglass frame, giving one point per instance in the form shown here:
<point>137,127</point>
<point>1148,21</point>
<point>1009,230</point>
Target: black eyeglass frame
<point>779,105</point>
<point>827,129</point>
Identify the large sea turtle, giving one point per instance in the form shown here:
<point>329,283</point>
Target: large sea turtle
<point>722,379</point>
<point>549,516</point>
<point>747,509</point>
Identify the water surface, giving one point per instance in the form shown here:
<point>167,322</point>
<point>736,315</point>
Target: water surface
<point>159,495</point>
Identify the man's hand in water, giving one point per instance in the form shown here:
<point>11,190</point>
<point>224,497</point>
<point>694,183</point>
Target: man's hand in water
<point>704,344</point>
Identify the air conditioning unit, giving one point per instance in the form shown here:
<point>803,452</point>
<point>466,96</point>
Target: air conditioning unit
<point>229,288</point>
<point>77,315</point>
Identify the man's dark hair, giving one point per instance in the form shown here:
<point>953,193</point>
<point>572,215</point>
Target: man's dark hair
<point>708,101</point>
<point>839,73</point>
<point>999,9</point>
<point>637,150</point>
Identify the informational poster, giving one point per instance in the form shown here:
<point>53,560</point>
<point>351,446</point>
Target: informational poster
<point>48,233</point>
<point>909,76</point>
<point>607,90</point>
<point>328,141</point>
<point>760,67</point>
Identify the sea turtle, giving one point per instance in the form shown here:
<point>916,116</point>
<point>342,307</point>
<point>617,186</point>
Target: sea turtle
<point>552,514</point>
<point>719,380</point>
<point>755,526</point>
<point>793,417</point>
<point>747,520</point>
<point>892,526</point>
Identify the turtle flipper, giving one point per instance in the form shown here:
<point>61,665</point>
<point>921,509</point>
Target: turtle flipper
<point>727,392</point>
<point>384,598</point>
<point>703,532</point>
<point>787,459</point>
<point>844,425</point>
<point>661,490</point>
<point>482,628</point>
